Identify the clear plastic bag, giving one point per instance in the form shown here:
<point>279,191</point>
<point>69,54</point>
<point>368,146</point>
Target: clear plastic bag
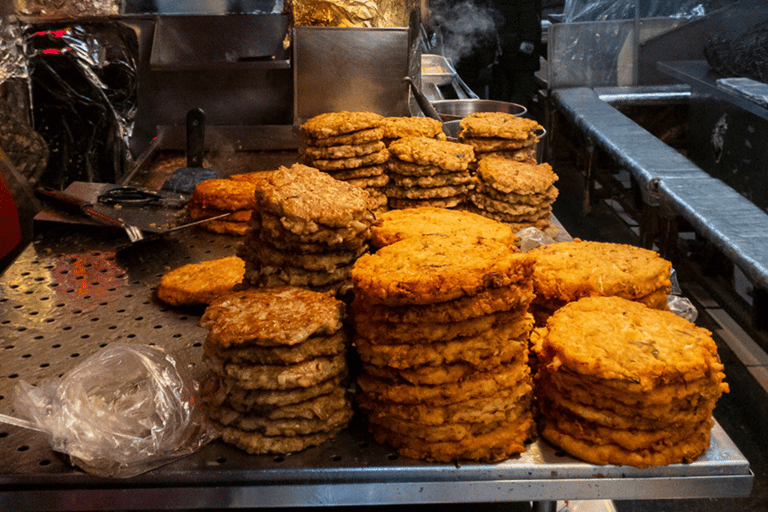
<point>124,411</point>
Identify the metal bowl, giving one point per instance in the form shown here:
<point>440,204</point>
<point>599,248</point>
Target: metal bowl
<point>451,110</point>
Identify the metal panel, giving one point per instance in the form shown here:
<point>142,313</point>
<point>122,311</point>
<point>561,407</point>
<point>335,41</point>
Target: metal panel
<point>337,69</point>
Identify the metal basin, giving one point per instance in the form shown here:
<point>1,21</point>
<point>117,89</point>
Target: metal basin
<point>450,110</point>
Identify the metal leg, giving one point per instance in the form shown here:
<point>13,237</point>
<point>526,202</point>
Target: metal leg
<point>544,506</point>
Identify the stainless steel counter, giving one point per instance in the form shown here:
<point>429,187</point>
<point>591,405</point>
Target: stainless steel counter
<point>71,293</point>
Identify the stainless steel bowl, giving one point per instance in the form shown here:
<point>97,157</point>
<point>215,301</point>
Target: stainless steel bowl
<point>451,110</point>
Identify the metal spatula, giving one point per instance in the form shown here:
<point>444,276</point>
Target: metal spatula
<point>185,179</point>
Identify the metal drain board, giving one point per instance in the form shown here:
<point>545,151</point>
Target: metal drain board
<point>72,292</point>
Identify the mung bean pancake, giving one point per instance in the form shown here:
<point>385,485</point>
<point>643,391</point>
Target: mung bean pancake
<point>200,283</point>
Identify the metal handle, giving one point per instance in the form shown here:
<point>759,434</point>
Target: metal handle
<point>423,102</point>
<point>195,137</point>
<point>76,204</point>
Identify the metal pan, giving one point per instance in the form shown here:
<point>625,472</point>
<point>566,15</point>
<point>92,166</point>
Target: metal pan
<point>451,110</point>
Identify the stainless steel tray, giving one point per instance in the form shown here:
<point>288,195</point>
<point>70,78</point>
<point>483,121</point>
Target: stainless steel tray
<point>72,292</point>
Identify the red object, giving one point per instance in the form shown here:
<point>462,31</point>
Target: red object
<point>10,228</point>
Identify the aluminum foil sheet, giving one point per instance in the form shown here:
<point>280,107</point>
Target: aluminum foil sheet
<point>67,8</point>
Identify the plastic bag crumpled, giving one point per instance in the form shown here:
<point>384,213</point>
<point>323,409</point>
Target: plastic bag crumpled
<point>123,411</point>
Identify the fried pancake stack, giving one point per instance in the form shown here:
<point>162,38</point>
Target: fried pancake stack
<point>277,368</point>
<point>442,330</point>
<point>620,383</point>
<point>218,196</point>
<point>349,146</point>
<point>395,225</point>
<point>518,193</point>
<point>568,271</point>
<point>307,230</point>
<point>399,127</point>
<point>500,135</point>
<point>428,172</point>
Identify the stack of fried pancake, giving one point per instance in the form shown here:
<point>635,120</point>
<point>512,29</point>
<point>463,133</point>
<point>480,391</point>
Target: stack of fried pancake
<point>218,196</point>
<point>349,146</point>
<point>518,193</point>
<point>277,368</point>
<point>568,271</point>
<point>396,225</point>
<point>428,172</point>
<point>399,127</point>
<point>500,135</point>
<point>307,230</point>
<point>441,327</point>
<point>620,383</point>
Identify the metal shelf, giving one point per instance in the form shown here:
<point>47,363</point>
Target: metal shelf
<point>72,291</point>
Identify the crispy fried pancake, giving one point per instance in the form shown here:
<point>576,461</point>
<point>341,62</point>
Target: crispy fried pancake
<point>510,176</point>
<point>305,196</point>
<point>493,446</point>
<point>363,136</point>
<point>606,453</point>
<point>335,164</point>
<point>331,124</point>
<point>437,268</point>
<point>344,151</point>
<point>396,225</point>
<point>225,195</point>
<point>258,444</point>
<point>497,124</point>
<point>312,347</point>
<point>399,127</point>
<point>489,301</point>
<point>273,317</point>
<point>445,202</point>
<point>199,283</point>
<point>481,384</point>
<point>571,270</point>
<point>451,156</point>
<point>279,377</point>
<point>290,427</point>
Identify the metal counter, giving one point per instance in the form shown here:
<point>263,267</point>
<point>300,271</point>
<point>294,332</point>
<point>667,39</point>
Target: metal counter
<point>72,292</point>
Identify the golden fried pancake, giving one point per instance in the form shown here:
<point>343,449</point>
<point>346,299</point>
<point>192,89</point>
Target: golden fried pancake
<point>253,177</point>
<point>493,446</point>
<point>363,136</point>
<point>345,151</point>
<point>484,410</point>
<point>396,225</point>
<point>607,453</point>
<point>216,391</point>
<point>545,198</point>
<point>376,158</point>
<point>258,444</point>
<point>524,154</point>
<point>197,212</point>
<point>332,124</point>
<point>439,180</point>
<point>570,270</point>
<point>483,146</point>
<point>629,341</point>
<point>293,233</point>
<point>272,317</point>
<point>520,212</point>
<point>485,302</point>
<point>398,127</point>
<point>375,182</point>
<point>481,384</point>
<point>224,227</point>
<point>397,166</point>
<point>395,191</point>
<point>490,348</point>
<point>288,427</point>
<point>509,176</point>
<point>437,268</point>
<point>437,202</point>
<point>327,261</point>
<point>225,195</point>
<point>279,377</point>
<point>451,156</point>
<point>368,171</point>
<point>497,124</point>
<point>199,283</point>
<point>305,196</point>
<point>312,347</point>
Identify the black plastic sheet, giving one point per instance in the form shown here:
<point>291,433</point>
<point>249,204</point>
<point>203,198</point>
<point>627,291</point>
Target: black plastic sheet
<point>84,83</point>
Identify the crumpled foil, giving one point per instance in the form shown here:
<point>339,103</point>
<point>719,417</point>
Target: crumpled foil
<point>67,8</point>
<point>13,63</point>
<point>350,13</point>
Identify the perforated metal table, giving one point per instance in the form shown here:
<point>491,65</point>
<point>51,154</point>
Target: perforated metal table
<point>71,293</point>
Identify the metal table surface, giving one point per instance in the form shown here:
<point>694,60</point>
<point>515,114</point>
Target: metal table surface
<point>72,292</point>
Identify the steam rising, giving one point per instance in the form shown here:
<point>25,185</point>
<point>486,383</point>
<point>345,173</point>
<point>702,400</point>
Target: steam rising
<point>465,27</point>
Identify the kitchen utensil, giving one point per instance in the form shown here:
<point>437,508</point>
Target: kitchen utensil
<point>85,207</point>
<point>451,110</point>
<point>185,179</point>
<point>155,222</point>
<point>422,100</point>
